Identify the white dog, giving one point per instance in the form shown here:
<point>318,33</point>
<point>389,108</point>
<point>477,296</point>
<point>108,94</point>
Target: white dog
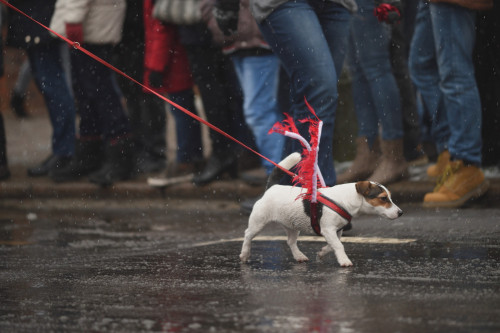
<point>280,204</point>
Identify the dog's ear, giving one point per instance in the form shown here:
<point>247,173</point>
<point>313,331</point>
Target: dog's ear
<point>368,189</point>
<point>363,188</point>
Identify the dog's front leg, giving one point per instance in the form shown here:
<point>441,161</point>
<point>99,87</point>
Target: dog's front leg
<point>334,242</point>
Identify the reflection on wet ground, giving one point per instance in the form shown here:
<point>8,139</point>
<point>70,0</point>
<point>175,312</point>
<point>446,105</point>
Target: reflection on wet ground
<point>128,271</point>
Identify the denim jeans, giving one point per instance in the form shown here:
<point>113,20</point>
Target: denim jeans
<point>441,66</point>
<point>309,37</point>
<point>47,67</point>
<point>374,88</point>
<point>259,79</point>
<point>189,145</point>
<point>98,95</point>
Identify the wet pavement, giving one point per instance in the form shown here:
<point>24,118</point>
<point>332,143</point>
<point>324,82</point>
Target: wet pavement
<point>170,265</point>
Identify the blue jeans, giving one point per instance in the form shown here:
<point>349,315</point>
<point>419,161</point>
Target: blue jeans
<point>47,67</point>
<point>189,145</point>
<point>98,95</point>
<point>309,37</point>
<point>374,88</point>
<point>441,67</point>
<point>259,79</point>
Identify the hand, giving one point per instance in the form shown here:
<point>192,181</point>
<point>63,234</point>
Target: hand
<point>226,20</point>
<point>74,32</point>
<point>156,79</point>
<point>388,12</point>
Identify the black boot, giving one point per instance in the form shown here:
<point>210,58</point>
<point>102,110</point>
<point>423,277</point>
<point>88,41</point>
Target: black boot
<point>88,158</point>
<point>118,164</point>
<point>50,164</point>
<point>216,167</point>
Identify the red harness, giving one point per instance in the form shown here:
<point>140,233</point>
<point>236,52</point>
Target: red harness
<point>330,204</point>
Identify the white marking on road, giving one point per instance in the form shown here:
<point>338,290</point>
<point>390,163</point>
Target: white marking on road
<point>363,240</point>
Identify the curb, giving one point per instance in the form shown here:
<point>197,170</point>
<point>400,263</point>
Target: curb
<point>43,188</point>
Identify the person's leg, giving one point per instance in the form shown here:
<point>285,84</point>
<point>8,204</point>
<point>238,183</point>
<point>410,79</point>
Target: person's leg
<point>100,93</point>
<point>45,62</point>
<point>454,38</point>
<point>304,41</point>
<point>189,145</point>
<point>371,46</point>
<point>364,108</point>
<point>48,72</point>
<point>259,78</point>
<point>425,75</point>
<point>104,109</point>
<point>454,41</point>
<point>209,68</point>
<point>367,142</point>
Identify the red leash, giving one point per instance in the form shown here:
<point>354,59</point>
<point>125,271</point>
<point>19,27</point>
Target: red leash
<point>327,202</point>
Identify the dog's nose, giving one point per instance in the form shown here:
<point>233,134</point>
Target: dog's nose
<point>400,212</point>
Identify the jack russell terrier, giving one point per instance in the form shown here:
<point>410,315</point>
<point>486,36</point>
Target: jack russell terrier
<point>280,203</point>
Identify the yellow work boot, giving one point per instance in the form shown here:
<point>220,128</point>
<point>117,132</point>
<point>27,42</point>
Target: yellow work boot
<point>458,184</point>
<point>436,170</point>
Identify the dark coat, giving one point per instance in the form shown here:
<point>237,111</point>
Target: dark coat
<point>24,33</point>
<point>164,53</point>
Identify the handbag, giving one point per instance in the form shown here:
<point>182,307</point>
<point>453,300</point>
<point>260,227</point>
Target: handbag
<point>183,12</point>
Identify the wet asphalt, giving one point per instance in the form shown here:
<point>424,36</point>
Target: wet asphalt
<point>170,265</point>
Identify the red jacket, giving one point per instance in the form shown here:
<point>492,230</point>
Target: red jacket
<point>164,53</point>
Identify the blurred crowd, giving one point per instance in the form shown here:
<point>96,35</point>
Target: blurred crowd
<point>424,78</point>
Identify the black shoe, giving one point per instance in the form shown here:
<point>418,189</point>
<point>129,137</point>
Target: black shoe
<point>255,177</point>
<point>4,172</point>
<point>53,162</point>
<point>119,164</point>
<point>216,168</point>
<point>148,163</point>
<point>87,159</point>
<point>17,104</point>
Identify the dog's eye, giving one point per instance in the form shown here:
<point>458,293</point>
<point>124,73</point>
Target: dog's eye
<point>384,199</point>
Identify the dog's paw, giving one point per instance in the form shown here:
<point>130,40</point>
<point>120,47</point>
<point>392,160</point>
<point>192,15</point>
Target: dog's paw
<point>345,263</point>
<point>302,258</point>
<point>244,257</point>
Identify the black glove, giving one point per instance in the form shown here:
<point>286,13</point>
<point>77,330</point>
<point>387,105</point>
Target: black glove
<point>227,20</point>
<point>156,79</point>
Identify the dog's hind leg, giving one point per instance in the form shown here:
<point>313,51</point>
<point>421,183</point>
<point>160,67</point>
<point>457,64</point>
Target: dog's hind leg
<point>292,243</point>
<point>255,224</point>
<point>324,251</point>
<point>334,242</point>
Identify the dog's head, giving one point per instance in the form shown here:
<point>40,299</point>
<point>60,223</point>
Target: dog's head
<point>378,199</point>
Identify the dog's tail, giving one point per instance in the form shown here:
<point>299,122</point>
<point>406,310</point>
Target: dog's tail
<point>289,162</point>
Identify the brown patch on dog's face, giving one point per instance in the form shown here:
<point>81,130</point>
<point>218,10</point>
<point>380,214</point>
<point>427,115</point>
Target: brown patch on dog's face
<point>374,194</point>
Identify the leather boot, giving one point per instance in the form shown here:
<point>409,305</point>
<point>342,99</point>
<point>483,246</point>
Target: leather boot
<point>364,163</point>
<point>118,163</point>
<point>88,158</point>
<point>436,170</point>
<point>458,184</point>
<point>49,165</point>
<point>216,167</point>
<point>392,165</point>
